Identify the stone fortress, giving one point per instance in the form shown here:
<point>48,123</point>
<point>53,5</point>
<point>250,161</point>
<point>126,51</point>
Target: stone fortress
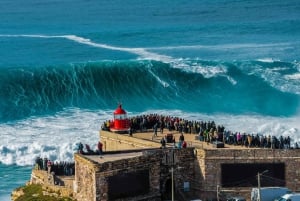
<point>144,170</point>
<point>135,167</point>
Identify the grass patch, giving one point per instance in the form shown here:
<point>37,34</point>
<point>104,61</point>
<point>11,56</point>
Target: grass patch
<point>34,192</point>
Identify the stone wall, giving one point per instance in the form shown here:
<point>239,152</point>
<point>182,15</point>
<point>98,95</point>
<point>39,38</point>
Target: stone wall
<point>92,178</point>
<point>85,180</point>
<point>114,142</point>
<point>183,171</point>
<point>147,163</point>
<point>43,178</point>
<point>201,168</point>
<point>208,167</point>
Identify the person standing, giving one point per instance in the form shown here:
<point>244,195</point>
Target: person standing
<point>174,142</point>
<point>163,142</point>
<point>155,130</point>
<point>49,164</point>
<point>181,137</point>
<point>80,148</point>
<point>100,148</point>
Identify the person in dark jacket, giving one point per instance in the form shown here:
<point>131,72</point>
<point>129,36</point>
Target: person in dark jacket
<point>163,142</point>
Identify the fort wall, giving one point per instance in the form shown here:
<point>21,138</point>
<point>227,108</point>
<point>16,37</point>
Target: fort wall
<point>114,142</point>
<point>97,181</point>
<point>210,163</point>
<point>85,183</point>
<point>198,171</point>
<point>207,168</point>
<point>46,180</point>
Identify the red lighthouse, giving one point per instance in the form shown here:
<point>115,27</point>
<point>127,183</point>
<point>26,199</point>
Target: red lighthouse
<point>120,123</point>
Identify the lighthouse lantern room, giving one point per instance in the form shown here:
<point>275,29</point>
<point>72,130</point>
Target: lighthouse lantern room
<point>120,122</point>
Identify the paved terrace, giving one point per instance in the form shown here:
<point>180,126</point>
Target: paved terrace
<point>189,138</point>
<point>113,157</point>
<point>148,136</point>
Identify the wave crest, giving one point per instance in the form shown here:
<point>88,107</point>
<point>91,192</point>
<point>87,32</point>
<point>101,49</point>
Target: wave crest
<point>30,91</point>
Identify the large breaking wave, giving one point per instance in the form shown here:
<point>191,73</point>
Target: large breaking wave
<point>262,87</point>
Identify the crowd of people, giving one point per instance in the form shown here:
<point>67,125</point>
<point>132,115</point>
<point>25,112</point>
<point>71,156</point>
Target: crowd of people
<point>87,149</point>
<point>258,140</point>
<point>61,168</point>
<point>64,168</point>
<point>142,123</point>
<point>207,131</point>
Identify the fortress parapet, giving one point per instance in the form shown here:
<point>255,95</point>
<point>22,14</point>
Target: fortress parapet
<point>199,171</point>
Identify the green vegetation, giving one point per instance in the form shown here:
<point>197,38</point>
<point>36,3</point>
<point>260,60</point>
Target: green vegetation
<point>35,192</point>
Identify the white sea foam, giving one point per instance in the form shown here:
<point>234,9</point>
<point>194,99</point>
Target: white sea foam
<point>208,71</point>
<point>231,80</point>
<point>163,83</point>
<point>55,137</point>
<point>268,60</point>
<point>194,67</point>
<point>295,76</point>
<point>141,52</point>
<point>225,47</point>
<point>276,77</point>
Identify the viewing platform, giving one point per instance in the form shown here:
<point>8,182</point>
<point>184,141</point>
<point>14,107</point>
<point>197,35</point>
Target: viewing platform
<point>207,164</point>
<point>198,169</point>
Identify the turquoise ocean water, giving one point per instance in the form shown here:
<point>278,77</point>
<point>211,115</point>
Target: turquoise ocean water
<point>65,65</point>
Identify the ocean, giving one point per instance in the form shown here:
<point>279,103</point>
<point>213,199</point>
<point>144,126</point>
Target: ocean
<point>65,66</point>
